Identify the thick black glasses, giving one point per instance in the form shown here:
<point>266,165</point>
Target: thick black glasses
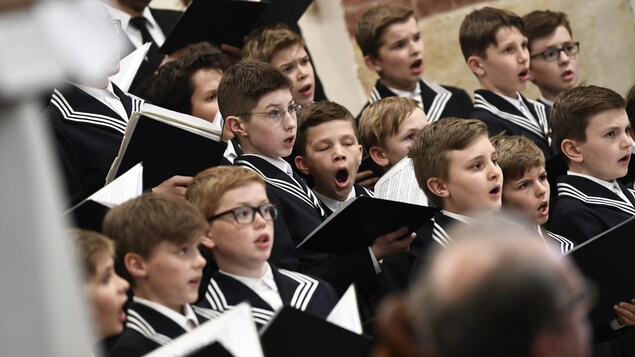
<point>551,54</point>
<point>247,214</point>
<point>278,114</point>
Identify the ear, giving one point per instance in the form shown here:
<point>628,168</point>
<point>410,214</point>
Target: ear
<point>438,187</point>
<point>236,125</point>
<point>475,63</point>
<point>372,63</point>
<point>378,156</point>
<point>360,154</point>
<point>135,265</point>
<point>207,241</point>
<point>570,150</point>
<point>300,163</point>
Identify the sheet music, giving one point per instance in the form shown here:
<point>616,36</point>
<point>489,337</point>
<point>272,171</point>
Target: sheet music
<point>346,313</point>
<point>234,329</point>
<point>400,184</point>
<point>123,188</point>
<point>129,66</point>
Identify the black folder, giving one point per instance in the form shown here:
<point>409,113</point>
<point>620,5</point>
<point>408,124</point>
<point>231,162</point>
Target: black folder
<point>229,21</point>
<point>363,219</point>
<point>607,259</point>
<point>296,333</point>
<point>216,349</point>
<point>166,150</point>
<point>88,214</point>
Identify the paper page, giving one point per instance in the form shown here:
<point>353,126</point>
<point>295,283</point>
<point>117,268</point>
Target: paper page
<point>183,121</point>
<point>234,329</point>
<point>123,188</point>
<point>132,123</point>
<point>346,313</point>
<point>128,67</point>
<point>400,184</point>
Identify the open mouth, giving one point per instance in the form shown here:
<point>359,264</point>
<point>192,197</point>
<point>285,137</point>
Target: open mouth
<point>496,190</point>
<point>306,90</point>
<point>567,74</point>
<point>122,316</point>
<point>625,159</point>
<point>341,176</point>
<point>524,75</point>
<point>262,239</point>
<point>416,64</point>
<point>543,207</point>
<point>289,140</point>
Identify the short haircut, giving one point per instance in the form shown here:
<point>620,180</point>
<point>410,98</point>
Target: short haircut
<point>630,105</point>
<point>172,87</point>
<point>244,83</point>
<point>542,23</point>
<point>574,107</point>
<point>316,114</point>
<point>512,287</point>
<point>373,23</point>
<point>266,42</point>
<point>433,143</point>
<point>479,28</point>
<point>516,155</point>
<point>208,187</point>
<point>89,247</point>
<point>382,118</point>
<point>141,224</point>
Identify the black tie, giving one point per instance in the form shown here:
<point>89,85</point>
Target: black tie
<point>153,58</point>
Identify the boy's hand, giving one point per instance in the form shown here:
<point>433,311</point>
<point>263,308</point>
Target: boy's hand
<point>176,185</point>
<point>393,243</point>
<point>626,312</point>
<point>366,179</point>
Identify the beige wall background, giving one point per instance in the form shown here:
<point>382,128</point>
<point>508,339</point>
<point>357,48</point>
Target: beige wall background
<point>605,29</point>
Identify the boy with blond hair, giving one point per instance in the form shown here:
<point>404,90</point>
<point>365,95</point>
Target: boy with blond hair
<point>259,109</point>
<point>553,53</point>
<point>387,129</point>
<point>284,49</point>
<point>390,41</point>
<point>328,151</point>
<point>157,237</point>
<point>494,44</point>
<point>240,237</point>
<point>526,189</point>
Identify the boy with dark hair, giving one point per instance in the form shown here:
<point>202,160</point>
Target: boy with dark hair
<point>157,237</point>
<point>553,53</point>
<point>525,186</point>
<point>457,168</point>
<point>494,45</point>
<point>391,44</point>
<point>328,150</point>
<point>591,130</point>
<point>240,237</point>
<point>259,109</point>
<point>387,129</point>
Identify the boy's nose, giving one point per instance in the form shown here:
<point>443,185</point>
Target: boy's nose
<point>541,189</point>
<point>563,58</point>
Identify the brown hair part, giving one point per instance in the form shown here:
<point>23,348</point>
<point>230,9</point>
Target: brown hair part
<point>88,247</point>
<point>542,23</point>
<point>370,28</point>
<point>244,83</point>
<point>208,187</point>
<point>429,152</point>
<point>265,43</point>
<point>574,107</point>
<point>479,28</point>
<point>319,113</point>
<point>382,118</point>
<point>516,155</point>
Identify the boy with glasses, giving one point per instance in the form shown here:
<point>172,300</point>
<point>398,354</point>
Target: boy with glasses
<point>553,53</point>
<point>240,236</point>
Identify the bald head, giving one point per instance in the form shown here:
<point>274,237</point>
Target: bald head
<point>495,293</point>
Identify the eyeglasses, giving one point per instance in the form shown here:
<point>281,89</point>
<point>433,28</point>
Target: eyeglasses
<point>247,214</point>
<point>552,53</point>
<point>278,114</point>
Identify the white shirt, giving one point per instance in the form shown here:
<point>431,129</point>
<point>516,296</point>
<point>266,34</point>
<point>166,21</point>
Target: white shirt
<point>107,97</point>
<point>265,287</point>
<point>133,33</point>
<point>613,186</point>
<point>519,104</point>
<point>546,101</point>
<point>279,163</point>
<point>187,321</point>
<point>416,94</point>
<point>459,217</point>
